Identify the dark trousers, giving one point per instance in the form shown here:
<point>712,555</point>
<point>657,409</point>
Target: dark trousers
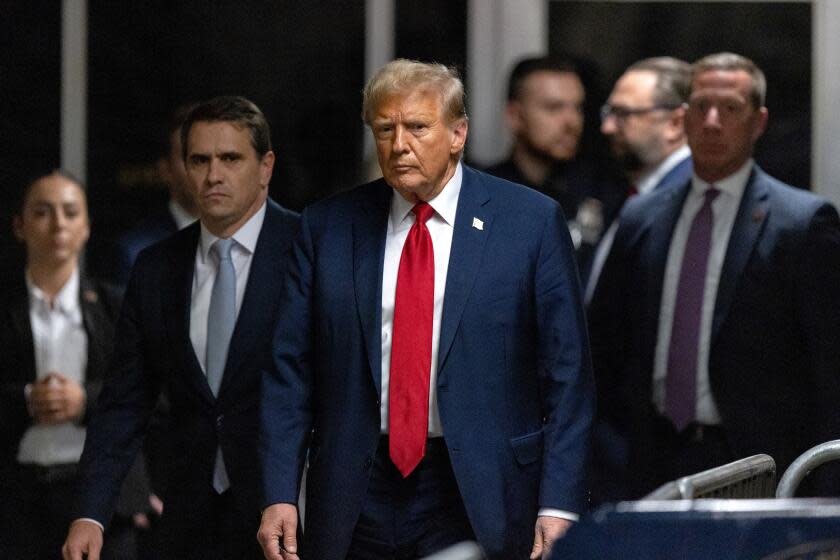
<point>675,454</point>
<point>210,527</point>
<point>36,513</point>
<point>410,517</point>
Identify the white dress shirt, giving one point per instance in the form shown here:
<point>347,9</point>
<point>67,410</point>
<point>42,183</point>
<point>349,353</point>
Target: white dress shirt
<point>206,268</point>
<point>724,210</point>
<point>441,227</point>
<point>61,346</point>
<point>181,217</point>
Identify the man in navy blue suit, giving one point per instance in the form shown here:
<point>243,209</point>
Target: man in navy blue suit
<point>715,331</point>
<point>435,364</point>
<point>172,338</point>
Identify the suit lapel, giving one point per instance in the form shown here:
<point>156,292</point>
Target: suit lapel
<point>465,256</point>
<point>19,312</point>
<point>661,230</point>
<point>369,230</point>
<point>749,222</point>
<point>95,323</point>
<point>177,312</point>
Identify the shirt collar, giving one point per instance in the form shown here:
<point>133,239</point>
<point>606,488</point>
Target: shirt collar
<point>182,217</point>
<point>445,204</point>
<point>733,185</point>
<point>66,301</point>
<point>649,181</point>
<point>245,237</point>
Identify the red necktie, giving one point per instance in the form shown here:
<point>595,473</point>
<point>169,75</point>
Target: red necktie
<point>411,346</point>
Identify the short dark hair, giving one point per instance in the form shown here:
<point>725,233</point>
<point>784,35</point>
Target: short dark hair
<point>232,109</point>
<point>732,61</point>
<point>23,193</point>
<point>528,66</point>
<point>673,79</point>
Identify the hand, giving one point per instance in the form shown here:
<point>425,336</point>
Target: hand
<point>56,399</point>
<point>84,537</point>
<point>278,532</point>
<point>546,531</point>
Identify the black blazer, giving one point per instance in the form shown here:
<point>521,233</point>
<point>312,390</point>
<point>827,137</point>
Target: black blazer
<point>774,363</point>
<point>154,354</point>
<point>17,367</point>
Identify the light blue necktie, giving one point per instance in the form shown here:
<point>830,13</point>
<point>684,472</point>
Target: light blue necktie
<point>221,319</point>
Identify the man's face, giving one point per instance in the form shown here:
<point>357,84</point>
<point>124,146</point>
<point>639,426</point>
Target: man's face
<point>229,178</point>
<point>547,119</point>
<point>417,148</point>
<point>638,141</point>
<point>53,222</point>
<point>721,123</point>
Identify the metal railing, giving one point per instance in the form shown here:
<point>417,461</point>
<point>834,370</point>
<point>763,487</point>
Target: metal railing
<point>752,477</point>
<point>804,464</point>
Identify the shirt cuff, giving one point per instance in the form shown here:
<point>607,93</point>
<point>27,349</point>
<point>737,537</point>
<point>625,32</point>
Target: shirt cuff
<point>562,514</point>
<point>89,520</point>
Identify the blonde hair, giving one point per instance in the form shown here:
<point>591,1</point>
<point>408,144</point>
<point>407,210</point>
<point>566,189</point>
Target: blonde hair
<point>403,75</point>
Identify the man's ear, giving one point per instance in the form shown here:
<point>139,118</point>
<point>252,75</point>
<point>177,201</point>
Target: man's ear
<point>266,167</point>
<point>17,227</point>
<point>459,135</point>
<point>513,116</point>
<point>761,125</point>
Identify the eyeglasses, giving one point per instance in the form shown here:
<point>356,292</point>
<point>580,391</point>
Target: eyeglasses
<point>621,114</point>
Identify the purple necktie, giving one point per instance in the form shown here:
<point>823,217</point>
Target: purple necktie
<point>681,379</point>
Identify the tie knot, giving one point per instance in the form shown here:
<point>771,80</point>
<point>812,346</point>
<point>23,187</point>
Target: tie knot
<point>222,248</point>
<point>711,194</point>
<point>423,212</point>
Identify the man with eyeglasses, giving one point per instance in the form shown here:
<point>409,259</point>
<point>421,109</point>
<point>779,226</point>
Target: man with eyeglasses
<point>643,123</point>
<point>715,330</point>
<point>545,114</point>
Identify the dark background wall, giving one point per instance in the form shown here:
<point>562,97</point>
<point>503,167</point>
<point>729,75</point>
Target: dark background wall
<point>302,62</point>
<point>609,36</point>
<point>30,102</point>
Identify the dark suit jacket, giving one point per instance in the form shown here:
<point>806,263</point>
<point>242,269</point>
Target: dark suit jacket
<point>17,368</point>
<point>147,233</point>
<point>514,382</point>
<point>154,353</point>
<point>774,363</point>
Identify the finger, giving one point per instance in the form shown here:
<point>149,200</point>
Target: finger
<point>537,549</point>
<point>269,539</point>
<point>290,535</point>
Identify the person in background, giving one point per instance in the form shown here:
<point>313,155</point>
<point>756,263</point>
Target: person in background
<point>545,114</point>
<point>643,121</point>
<point>57,339</point>
<point>714,328</point>
<point>181,209</point>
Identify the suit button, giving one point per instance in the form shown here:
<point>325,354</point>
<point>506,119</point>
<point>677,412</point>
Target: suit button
<point>219,420</point>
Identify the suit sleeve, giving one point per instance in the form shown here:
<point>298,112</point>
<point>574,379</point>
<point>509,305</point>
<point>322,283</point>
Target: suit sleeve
<point>116,429</point>
<point>564,369</point>
<point>818,294</point>
<point>285,407</point>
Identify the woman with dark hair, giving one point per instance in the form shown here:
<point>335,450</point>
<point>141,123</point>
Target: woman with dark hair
<point>56,338</point>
